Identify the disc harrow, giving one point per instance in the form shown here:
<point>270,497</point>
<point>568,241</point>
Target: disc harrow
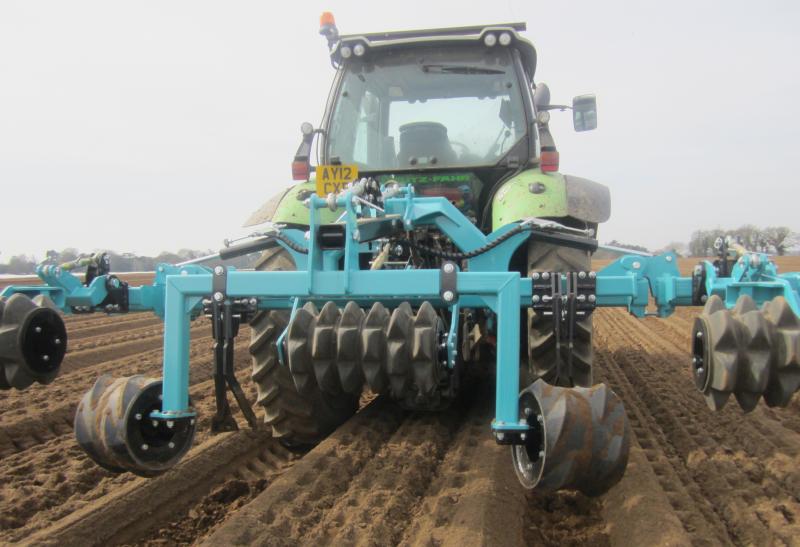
<point>747,352</point>
<point>399,353</point>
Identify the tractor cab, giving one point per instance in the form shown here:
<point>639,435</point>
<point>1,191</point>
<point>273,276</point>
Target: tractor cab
<point>449,110</point>
<point>453,112</point>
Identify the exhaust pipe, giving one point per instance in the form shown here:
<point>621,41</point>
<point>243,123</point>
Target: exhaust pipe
<point>747,352</point>
<point>33,341</point>
<point>578,439</point>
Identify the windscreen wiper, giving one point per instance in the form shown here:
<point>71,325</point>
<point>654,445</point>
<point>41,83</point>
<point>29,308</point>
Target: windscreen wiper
<point>459,69</point>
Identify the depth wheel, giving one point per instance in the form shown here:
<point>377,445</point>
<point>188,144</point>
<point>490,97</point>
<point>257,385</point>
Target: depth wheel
<point>540,353</point>
<point>578,439</point>
<point>33,341</point>
<point>297,420</point>
<point>113,426</point>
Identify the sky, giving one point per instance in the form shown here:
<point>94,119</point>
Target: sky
<point>159,125</point>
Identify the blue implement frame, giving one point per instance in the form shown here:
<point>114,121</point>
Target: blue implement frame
<point>323,275</point>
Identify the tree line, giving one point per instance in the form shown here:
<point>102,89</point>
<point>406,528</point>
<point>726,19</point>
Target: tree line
<point>120,262</point>
<point>773,239</point>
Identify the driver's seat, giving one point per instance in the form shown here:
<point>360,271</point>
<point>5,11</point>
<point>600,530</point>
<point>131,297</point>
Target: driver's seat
<point>424,143</point>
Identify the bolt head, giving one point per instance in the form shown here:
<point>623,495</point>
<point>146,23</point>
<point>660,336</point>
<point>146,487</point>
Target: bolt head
<point>581,275</point>
<point>540,419</point>
<point>138,417</point>
<point>170,424</point>
<point>592,275</point>
<point>592,298</point>
<point>704,299</point>
<point>535,275</point>
<point>528,411</point>
<point>546,275</point>
<point>38,330</point>
<point>699,334</point>
<point>218,296</point>
<point>501,436</point>
<point>57,341</point>
<point>522,436</point>
<point>145,447</point>
<point>637,265</point>
<point>218,270</point>
<point>700,370</point>
<point>669,258</point>
<point>45,358</point>
<point>449,268</point>
<point>448,296</point>
<point>541,454</point>
<point>154,423</point>
<point>171,444</point>
<point>535,298</point>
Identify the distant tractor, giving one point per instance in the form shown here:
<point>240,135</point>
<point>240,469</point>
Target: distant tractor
<point>434,234</point>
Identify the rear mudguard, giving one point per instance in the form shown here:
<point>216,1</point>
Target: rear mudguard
<point>287,207</point>
<point>533,193</point>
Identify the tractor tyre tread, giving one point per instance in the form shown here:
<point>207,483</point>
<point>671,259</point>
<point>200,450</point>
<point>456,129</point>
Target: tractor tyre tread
<point>295,419</point>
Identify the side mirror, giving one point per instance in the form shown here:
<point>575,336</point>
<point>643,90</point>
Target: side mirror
<point>584,113</point>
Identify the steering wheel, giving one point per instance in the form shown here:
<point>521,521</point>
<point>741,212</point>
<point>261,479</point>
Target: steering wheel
<point>464,149</point>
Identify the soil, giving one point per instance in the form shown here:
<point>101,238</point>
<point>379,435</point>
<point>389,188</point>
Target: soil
<point>390,477</point>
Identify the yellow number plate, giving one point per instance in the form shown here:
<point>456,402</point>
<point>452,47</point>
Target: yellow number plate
<point>333,178</point>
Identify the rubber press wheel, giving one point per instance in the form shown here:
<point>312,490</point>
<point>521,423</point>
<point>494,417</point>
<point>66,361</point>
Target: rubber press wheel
<point>541,350</point>
<point>294,418</point>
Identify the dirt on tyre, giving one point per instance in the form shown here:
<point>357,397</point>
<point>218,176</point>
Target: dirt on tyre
<point>297,420</point>
<point>541,339</point>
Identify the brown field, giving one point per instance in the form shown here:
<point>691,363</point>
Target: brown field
<point>392,477</point>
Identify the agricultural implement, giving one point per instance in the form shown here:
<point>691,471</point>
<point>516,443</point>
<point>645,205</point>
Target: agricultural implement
<point>408,258</point>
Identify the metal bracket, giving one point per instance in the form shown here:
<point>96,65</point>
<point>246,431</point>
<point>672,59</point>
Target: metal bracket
<point>448,282</point>
<point>566,297</point>
<point>116,300</point>
<point>699,295</point>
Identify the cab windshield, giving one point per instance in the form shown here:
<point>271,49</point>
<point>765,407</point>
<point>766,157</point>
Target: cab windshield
<point>427,108</point>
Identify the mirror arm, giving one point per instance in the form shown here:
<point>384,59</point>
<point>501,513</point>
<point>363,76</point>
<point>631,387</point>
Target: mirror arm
<point>561,107</point>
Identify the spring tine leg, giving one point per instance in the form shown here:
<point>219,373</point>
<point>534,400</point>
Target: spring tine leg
<point>223,419</point>
<point>230,328</point>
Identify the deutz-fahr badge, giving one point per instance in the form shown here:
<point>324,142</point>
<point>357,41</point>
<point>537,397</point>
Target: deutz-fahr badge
<point>333,178</point>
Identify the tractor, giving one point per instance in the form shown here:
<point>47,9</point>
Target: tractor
<point>433,235</point>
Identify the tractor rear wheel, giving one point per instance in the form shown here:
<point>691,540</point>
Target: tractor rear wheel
<point>541,350</point>
<point>295,419</point>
